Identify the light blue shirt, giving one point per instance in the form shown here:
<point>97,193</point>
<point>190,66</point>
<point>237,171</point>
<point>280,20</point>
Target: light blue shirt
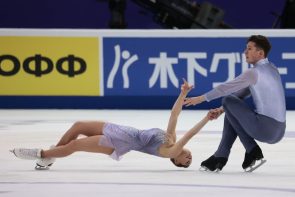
<point>263,83</point>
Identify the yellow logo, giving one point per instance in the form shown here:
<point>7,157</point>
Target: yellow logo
<point>49,66</point>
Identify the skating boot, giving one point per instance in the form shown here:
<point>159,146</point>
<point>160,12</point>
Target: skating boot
<point>213,164</point>
<point>44,163</point>
<point>26,153</point>
<point>253,160</point>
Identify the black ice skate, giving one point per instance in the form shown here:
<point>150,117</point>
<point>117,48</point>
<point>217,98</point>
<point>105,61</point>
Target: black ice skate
<point>253,160</point>
<point>213,164</point>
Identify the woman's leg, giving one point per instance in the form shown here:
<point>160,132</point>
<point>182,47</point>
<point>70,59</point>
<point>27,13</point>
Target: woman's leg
<point>87,128</point>
<point>87,144</point>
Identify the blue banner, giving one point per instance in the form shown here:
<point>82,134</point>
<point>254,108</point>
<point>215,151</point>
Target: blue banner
<point>135,66</point>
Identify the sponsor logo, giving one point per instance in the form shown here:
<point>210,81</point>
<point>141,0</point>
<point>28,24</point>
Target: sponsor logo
<point>49,66</point>
<point>37,69</point>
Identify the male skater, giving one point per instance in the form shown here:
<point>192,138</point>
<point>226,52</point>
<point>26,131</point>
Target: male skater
<point>266,123</point>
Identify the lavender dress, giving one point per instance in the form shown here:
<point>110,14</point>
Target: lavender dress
<point>124,139</point>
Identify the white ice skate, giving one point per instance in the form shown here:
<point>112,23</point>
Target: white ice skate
<point>44,163</point>
<point>256,164</point>
<point>26,153</point>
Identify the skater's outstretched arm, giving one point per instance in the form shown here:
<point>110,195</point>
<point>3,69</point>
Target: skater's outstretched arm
<point>176,149</point>
<point>177,107</point>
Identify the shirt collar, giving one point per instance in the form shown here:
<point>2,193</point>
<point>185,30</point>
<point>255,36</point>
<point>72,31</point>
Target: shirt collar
<point>261,62</point>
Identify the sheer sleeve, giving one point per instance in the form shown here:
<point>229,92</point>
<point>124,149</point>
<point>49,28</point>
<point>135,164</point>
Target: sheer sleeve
<point>243,93</point>
<point>241,82</point>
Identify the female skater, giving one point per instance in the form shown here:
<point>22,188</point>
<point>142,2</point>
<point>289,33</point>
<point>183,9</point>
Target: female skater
<point>116,140</point>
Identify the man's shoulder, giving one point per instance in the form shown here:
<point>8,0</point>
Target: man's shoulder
<point>251,71</point>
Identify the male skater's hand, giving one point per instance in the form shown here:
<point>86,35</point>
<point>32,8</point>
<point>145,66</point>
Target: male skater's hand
<point>193,100</point>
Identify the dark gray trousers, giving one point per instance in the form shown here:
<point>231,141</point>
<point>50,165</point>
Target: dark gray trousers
<point>240,120</point>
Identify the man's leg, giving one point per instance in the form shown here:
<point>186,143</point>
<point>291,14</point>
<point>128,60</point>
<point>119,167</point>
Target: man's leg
<point>231,129</point>
<point>247,123</point>
<point>239,115</point>
<point>217,161</point>
<point>229,136</point>
<point>243,120</point>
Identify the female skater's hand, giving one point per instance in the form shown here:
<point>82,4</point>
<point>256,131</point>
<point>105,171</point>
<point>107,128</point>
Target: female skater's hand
<point>214,113</point>
<point>185,87</point>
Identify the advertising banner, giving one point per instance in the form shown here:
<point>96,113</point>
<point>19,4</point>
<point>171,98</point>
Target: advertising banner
<point>128,69</point>
<point>155,66</point>
<point>63,66</point>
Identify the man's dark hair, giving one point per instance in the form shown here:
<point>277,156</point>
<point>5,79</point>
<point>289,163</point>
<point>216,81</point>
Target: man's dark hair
<point>261,42</point>
<point>178,165</point>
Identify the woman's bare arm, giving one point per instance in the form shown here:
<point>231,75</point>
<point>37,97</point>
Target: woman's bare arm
<point>175,150</point>
<point>177,107</point>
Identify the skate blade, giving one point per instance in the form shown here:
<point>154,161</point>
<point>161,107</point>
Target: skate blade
<point>12,151</point>
<point>42,168</point>
<point>39,167</point>
<point>205,169</point>
<point>255,166</point>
